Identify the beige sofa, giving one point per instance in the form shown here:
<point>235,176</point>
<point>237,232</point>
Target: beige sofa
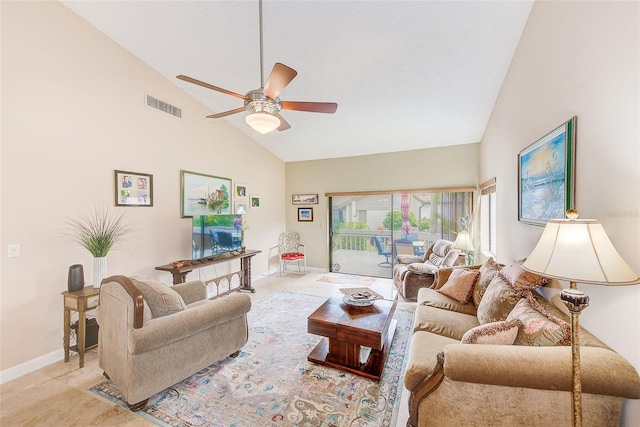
<point>460,372</point>
<point>152,335</point>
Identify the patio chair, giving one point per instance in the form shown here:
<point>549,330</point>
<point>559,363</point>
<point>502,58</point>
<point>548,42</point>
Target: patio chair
<point>382,250</point>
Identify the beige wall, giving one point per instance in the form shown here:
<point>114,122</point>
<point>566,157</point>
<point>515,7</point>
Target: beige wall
<point>582,59</point>
<point>73,111</point>
<point>428,168</point>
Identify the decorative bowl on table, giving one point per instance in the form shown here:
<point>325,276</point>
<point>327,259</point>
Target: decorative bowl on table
<point>359,297</point>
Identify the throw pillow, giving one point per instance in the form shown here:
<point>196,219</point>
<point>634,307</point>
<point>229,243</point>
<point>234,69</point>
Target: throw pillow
<point>521,279</point>
<point>460,284</point>
<point>161,299</point>
<point>504,332</point>
<point>498,301</point>
<point>539,327</point>
<point>488,271</point>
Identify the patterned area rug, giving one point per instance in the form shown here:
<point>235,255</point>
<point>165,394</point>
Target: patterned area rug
<point>347,279</point>
<point>271,383</point>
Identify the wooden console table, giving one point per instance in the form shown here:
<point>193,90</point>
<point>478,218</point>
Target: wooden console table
<point>180,269</point>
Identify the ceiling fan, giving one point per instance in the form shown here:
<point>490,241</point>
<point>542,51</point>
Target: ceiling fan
<point>263,104</point>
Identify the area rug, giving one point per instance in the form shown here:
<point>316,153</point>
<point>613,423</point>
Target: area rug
<point>271,383</point>
<point>347,279</point>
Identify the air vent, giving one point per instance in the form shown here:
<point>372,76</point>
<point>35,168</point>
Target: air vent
<point>163,106</point>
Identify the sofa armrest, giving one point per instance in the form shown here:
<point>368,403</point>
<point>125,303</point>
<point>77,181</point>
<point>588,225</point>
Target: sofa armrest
<point>423,268</point>
<point>159,332</point>
<point>603,371</point>
<point>408,259</point>
<point>192,291</point>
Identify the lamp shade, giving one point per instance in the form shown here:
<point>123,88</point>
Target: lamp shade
<point>262,122</point>
<point>463,242</point>
<point>580,251</point>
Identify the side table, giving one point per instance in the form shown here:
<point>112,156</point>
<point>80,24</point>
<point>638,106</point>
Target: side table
<point>79,301</point>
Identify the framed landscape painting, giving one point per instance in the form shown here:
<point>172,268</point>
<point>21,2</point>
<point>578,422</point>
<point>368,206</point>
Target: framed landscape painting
<point>202,194</point>
<point>546,176</point>
<point>305,214</point>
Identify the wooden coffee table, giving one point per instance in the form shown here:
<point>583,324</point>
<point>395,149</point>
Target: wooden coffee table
<point>348,331</point>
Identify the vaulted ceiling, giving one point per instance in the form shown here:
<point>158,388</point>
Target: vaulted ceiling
<point>405,74</point>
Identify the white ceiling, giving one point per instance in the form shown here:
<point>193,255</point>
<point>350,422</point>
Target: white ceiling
<point>405,74</point>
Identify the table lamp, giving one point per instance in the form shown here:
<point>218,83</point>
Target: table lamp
<point>463,243</point>
<point>578,250</point>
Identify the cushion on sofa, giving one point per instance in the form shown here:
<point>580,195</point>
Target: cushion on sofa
<point>520,279</point>
<point>504,332</point>
<point>488,271</point>
<point>433,298</point>
<point>539,327</point>
<point>443,322</point>
<point>460,284</point>
<point>161,299</point>
<point>498,301</point>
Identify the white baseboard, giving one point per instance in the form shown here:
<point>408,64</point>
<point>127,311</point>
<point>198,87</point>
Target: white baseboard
<point>30,366</point>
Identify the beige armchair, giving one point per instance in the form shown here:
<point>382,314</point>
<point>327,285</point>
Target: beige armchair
<point>413,272</point>
<point>152,335</point>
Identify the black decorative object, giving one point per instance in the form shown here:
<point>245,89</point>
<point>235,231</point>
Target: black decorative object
<point>76,278</point>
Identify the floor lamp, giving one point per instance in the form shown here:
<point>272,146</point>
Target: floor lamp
<point>578,250</point>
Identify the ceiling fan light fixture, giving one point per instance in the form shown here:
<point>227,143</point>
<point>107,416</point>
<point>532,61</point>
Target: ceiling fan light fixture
<point>263,122</point>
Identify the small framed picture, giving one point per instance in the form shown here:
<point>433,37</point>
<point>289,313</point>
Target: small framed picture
<point>241,208</point>
<point>133,188</point>
<point>304,199</point>
<point>241,191</point>
<point>254,202</point>
<point>305,214</point>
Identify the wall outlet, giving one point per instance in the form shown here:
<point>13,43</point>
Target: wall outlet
<point>14,250</point>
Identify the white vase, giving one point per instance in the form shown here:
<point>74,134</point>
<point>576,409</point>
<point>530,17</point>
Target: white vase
<point>99,270</point>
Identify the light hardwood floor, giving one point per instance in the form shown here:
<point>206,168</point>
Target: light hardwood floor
<point>58,394</point>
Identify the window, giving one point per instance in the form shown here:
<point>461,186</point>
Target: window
<point>488,218</point>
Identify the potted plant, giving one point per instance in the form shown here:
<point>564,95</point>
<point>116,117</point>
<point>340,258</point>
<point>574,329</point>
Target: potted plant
<point>98,232</point>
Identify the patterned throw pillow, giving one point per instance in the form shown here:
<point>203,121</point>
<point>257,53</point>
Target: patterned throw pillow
<point>460,284</point>
<point>521,279</point>
<point>498,301</point>
<point>504,332</point>
<point>161,299</point>
<point>488,271</point>
<point>539,327</point>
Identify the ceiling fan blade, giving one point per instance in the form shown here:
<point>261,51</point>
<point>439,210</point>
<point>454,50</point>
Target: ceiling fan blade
<point>280,77</point>
<point>208,86</point>
<point>313,107</point>
<point>283,123</point>
<point>226,113</point>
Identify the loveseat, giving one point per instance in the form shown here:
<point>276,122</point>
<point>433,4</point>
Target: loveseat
<point>411,272</point>
<point>489,350</point>
<point>152,335</point>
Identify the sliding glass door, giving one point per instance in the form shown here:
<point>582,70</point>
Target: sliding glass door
<point>369,230</point>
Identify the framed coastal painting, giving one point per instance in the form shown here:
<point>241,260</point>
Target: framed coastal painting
<point>546,176</point>
<point>202,194</point>
<point>305,214</point>
<point>133,188</point>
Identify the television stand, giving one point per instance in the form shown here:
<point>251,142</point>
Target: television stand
<point>180,269</point>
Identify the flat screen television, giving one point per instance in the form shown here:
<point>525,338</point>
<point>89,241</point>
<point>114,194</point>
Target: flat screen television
<point>215,234</point>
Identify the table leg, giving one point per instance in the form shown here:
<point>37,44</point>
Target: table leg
<point>82,327</point>
<point>245,279</point>
<point>67,333</point>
